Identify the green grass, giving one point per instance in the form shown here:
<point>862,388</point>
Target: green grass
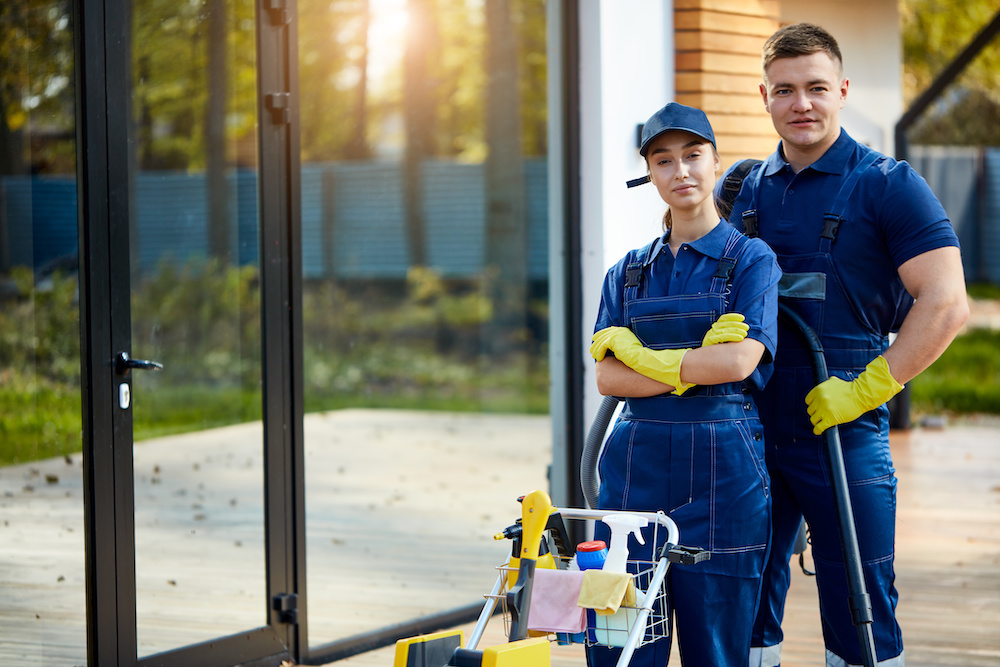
<point>42,419</point>
<point>184,409</point>
<point>965,379</point>
<point>181,410</point>
<point>39,424</point>
<point>984,291</point>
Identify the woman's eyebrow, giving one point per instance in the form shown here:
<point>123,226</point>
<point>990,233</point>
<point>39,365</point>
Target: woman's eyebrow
<point>684,147</point>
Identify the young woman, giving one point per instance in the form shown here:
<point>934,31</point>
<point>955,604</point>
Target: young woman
<point>686,327</point>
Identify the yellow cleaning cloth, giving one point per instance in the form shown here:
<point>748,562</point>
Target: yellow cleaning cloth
<point>605,592</point>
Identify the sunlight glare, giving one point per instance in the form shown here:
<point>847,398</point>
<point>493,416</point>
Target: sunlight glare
<point>386,39</point>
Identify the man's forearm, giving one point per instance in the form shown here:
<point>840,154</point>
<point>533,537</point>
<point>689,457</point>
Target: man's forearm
<point>936,281</point>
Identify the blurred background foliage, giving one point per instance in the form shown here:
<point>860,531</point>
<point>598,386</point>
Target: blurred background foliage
<point>934,33</point>
<point>190,317</point>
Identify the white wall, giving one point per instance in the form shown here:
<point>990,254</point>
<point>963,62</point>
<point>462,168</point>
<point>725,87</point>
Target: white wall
<point>627,73</point>
<point>868,34</point>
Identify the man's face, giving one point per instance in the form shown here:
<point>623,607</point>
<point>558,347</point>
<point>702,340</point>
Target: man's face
<point>804,96</point>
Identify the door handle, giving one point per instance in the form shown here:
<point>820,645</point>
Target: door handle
<point>124,364</point>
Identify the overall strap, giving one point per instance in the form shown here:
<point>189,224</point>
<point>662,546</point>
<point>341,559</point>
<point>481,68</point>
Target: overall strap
<point>722,279</point>
<point>832,221</point>
<point>732,184</point>
<point>633,271</point>
<point>750,219</point>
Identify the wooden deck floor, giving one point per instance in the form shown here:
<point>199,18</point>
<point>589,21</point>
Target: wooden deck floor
<point>199,503</point>
<point>947,563</point>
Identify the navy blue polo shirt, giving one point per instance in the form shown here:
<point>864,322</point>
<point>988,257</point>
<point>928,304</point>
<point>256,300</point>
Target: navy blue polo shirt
<point>754,282</point>
<point>892,217</point>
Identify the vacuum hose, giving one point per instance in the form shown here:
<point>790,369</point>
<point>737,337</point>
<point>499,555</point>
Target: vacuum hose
<point>860,601</point>
<point>592,449</point>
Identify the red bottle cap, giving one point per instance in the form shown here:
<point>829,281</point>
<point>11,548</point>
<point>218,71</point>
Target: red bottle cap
<point>595,545</point>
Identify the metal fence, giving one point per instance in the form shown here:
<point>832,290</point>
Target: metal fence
<point>353,219</point>
<point>967,181</point>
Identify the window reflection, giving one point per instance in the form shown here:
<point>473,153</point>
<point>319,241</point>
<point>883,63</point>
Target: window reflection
<point>424,204</point>
<point>195,308</point>
<point>41,494</point>
<point>424,223</point>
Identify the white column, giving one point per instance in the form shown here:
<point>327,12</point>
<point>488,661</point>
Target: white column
<point>626,74</point>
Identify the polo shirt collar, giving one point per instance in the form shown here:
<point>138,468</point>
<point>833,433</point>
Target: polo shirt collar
<point>833,161</point>
<point>711,245</point>
<point>658,247</point>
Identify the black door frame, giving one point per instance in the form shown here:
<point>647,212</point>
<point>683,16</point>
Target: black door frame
<point>102,44</point>
<point>281,298</point>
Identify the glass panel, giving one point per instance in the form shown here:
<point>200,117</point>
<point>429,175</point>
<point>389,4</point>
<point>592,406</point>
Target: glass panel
<point>424,212</point>
<point>42,588</point>
<point>200,566</point>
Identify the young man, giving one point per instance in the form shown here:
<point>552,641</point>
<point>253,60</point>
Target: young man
<point>866,250</point>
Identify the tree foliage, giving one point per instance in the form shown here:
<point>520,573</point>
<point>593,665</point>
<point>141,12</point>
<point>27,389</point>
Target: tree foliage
<point>170,50</point>
<point>335,48</point>
<point>934,33</point>
<point>344,114</point>
<point>333,54</point>
<point>36,87</point>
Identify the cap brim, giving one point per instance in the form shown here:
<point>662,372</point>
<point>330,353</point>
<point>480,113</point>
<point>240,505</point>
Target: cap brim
<point>644,149</point>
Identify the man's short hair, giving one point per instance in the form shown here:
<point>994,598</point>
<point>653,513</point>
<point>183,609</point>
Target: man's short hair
<point>800,39</point>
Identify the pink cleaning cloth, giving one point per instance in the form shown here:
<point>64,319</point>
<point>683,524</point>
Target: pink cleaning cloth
<point>553,608</point>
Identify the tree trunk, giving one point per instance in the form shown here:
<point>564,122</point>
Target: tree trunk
<point>506,214</point>
<point>215,133</point>
<point>357,144</point>
<point>418,115</point>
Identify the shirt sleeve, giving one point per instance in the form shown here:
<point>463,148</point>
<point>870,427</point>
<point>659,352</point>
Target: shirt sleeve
<point>912,219</point>
<point>755,294</point>
<point>611,312</point>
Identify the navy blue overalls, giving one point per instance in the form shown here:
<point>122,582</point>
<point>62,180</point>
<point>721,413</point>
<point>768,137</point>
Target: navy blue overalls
<point>812,286</point>
<point>697,457</point>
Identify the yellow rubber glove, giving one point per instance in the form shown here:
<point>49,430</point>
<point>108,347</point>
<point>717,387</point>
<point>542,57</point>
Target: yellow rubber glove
<point>730,328</point>
<point>661,365</point>
<point>604,340</point>
<point>837,401</point>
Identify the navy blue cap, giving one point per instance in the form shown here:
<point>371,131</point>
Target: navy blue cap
<point>676,116</point>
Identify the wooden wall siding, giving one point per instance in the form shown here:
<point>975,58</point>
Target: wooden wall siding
<point>717,64</point>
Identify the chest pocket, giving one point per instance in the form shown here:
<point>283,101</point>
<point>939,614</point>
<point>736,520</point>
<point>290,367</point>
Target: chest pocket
<point>672,322</point>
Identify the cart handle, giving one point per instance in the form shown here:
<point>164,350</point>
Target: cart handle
<point>653,517</point>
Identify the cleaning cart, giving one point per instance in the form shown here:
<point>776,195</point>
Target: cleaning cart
<point>538,592</point>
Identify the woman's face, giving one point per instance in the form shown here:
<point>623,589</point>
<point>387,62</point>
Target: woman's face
<point>683,167</point>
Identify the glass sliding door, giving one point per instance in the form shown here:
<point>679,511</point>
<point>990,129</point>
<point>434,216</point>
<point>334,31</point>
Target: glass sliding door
<point>424,224</point>
<point>42,586</point>
<point>181,571</point>
<point>195,308</point>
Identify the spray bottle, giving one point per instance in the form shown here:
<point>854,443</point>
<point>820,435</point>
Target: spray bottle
<point>621,526</point>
